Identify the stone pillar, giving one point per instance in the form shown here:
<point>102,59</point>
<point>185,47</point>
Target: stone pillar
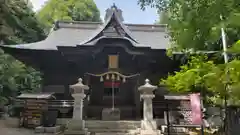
<point>77,125</point>
<point>78,106</point>
<point>148,124</point>
<point>147,106</point>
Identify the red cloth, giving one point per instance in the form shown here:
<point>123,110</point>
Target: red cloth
<point>110,84</point>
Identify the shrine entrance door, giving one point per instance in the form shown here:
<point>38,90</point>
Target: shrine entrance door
<point>110,94</point>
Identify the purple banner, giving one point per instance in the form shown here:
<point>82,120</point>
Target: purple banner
<point>196,109</point>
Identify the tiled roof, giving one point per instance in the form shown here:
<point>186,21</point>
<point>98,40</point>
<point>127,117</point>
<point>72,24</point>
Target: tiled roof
<point>72,33</point>
<point>69,34</point>
<point>36,95</point>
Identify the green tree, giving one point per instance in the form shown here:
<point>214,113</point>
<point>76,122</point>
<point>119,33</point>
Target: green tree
<point>16,78</point>
<point>191,75</point>
<point>18,24</point>
<point>71,10</point>
<point>195,24</point>
<point>202,75</point>
<point>163,18</point>
<point>224,80</point>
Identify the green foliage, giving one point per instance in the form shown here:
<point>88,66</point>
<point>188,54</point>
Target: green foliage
<point>196,23</point>
<point>224,80</point>
<point>235,48</point>
<point>16,78</point>
<point>191,76</point>
<point>203,75</point>
<point>18,24</point>
<point>70,10</point>
<point>163,18</point>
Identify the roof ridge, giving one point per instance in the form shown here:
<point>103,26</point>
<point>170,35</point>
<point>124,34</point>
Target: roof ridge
<point>96,26</point>
<point>89,22</point>
<point>105,25</point>
<point>158,25</point>
<point>77,22</point>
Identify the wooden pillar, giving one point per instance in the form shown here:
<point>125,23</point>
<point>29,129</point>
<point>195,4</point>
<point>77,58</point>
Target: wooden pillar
<point>137,100</point>
<point>67,92</point>
<point>86,100</point>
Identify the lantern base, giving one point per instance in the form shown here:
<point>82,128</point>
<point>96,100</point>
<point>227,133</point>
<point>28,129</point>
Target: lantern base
<point>148,125</point>
<point>76,127</point>
<point>150,132</point>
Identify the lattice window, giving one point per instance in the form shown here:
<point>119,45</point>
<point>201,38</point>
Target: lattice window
<point>186,111</point>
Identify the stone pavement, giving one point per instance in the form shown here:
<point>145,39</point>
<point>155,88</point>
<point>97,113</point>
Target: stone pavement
<point>15,131</point>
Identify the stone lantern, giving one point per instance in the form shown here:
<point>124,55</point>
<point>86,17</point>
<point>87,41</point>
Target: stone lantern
<point>148,125</point>
<point>78,95</point>
<point>77,124</point>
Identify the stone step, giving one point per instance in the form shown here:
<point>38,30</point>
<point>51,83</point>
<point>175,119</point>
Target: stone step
<point>175,130</point>
<point>106,126</point>
<point>98,127</point>
<point>115,134</point>
<point>101,130</point>
<point>113,124</point>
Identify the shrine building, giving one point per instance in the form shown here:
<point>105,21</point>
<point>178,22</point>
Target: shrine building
<point>112,57</point>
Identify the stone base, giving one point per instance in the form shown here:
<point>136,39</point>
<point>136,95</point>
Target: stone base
<point>76,125</point>
<point>149,125</point>
<point>111,114</point>
<point>39,129</point>
<point>150,132</point>
<point>52,130</point>
<point>55,129</point>
<point>76,132</point>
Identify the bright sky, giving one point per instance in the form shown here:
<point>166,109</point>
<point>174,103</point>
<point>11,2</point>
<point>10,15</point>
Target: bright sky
<point>131,10</point>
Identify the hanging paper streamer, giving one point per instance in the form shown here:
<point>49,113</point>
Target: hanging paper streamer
<point>124,79</point>
<point>118,78</point>
<point>113,76</point>
<point>107,77</point>
<point>101,79</point>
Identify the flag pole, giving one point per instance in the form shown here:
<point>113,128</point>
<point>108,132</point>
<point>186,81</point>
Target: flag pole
<point>113,95</point>
<point>225,55</point>
<point>224,42</point>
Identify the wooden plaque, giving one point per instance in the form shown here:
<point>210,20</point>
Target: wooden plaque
<point>113,61</point>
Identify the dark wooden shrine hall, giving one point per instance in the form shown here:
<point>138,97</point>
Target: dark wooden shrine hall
<point>100,53</point>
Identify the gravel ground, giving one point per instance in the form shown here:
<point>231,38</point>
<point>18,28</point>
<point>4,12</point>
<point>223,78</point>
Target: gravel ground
<point>15,131</point>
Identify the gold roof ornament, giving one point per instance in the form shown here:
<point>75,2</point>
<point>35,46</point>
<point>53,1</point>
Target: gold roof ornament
<point>114,7</point>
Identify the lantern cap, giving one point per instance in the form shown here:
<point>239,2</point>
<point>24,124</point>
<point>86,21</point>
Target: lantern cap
<point>79,85</point>
<point>147,81</point>
<point>80,80</point>
<point>147,87</point>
